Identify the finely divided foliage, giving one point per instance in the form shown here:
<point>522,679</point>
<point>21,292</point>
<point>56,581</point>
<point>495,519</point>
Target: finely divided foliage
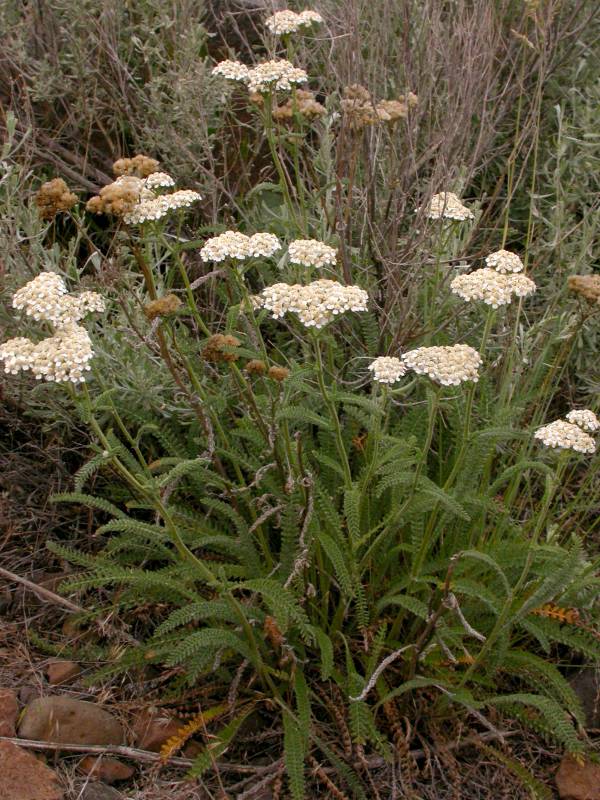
<point>340,510</point>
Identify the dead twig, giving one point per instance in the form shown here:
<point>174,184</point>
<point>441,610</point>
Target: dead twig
<point>40,591</point>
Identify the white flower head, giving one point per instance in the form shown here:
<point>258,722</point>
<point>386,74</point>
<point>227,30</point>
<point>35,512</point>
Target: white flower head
<point>585,419</point>
<point>521,285</point>
<point>449,365</point>
<point>447,205</point>
<point>158,206</point>
<point>232,71</point>
<point>158,180</point>
<point>316,304</point>
<point>264,244</point>
<point>287,21</point>
<point>387,369</point>
<point>230,244</point>
<point>61,358</point>
<point>40,297</point>
<point>504,261</point>
<point>277,74</point>
<point>565,436</point>
<point>311,253</point>
<point>485,285</point>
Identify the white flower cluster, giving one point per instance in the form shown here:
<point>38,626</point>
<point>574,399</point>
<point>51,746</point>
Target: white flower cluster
<point>495,284</point>
<point>316,304</point>
<point>504,261</point>
<point>585,419</point>
<point>447,365</point>
<point>447,205</point>
<point>231,70</point>
<point>565,436</point>
<point>387,369</point>
<point>275,74</point>
<point>45,298</point>
<point>233,244</point>
<point>158,180</point>
<point>483,284</point>
<point>159,206</point>
<point>39,297</point>
<point>289,21</point>
<point>311,253</point>
<point>521,285</point>
<point>64,356</point>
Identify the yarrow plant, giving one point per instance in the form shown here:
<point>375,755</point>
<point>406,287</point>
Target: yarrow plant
<point>327,541</point>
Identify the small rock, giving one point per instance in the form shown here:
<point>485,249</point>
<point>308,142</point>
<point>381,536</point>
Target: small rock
<point>23,777</point>
<point>151,729</point>
<point>578,781</point>
<point>66,720</point>
<point>28,693</point>
<point>586,685</point>
<point>109,770</point>
<point>9,711</point>
<point>100,791</point>
<point>62,671</point>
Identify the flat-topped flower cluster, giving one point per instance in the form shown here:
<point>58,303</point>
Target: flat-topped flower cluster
<point>238,247</point>
<point>571,433</point>
<point>283,22</point>
<point>65,355</point>
<point>496,284</point>
<point>448,365</point>
<point>273,75</point>
<point>316,304</point>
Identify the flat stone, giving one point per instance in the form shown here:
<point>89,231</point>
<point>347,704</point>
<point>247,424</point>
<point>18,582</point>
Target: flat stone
<point>100,791</point>
<point>9,711</point>
<point>62,672</point>
<point>109,770</point>
<point>151,729</point>
<point>23,777</point>
<point>586,685</point>
<point>68,721</point>
<point>576,781</point>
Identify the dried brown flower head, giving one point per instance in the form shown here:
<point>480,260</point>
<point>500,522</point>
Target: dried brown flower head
<point>141,166</point>
<point>53,197</point>
<point>305,104</point>
<point>588,286</point>
<point>162,307</point>
<point>219,348</point>
<point>256,367</point>
<point>117,198</point>
<point>278,373</point>
<point>360,109</point>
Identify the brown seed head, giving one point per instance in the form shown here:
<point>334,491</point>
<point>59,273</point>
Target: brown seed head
<point>256,367</point>
<point>116,198</point>
<point>141,166</point>
<point>588,286</point>
<point>162,307</point>
<point>278,373</point>
<point>53,197</point>
<point>305,104</point>
<point>219,348</point>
